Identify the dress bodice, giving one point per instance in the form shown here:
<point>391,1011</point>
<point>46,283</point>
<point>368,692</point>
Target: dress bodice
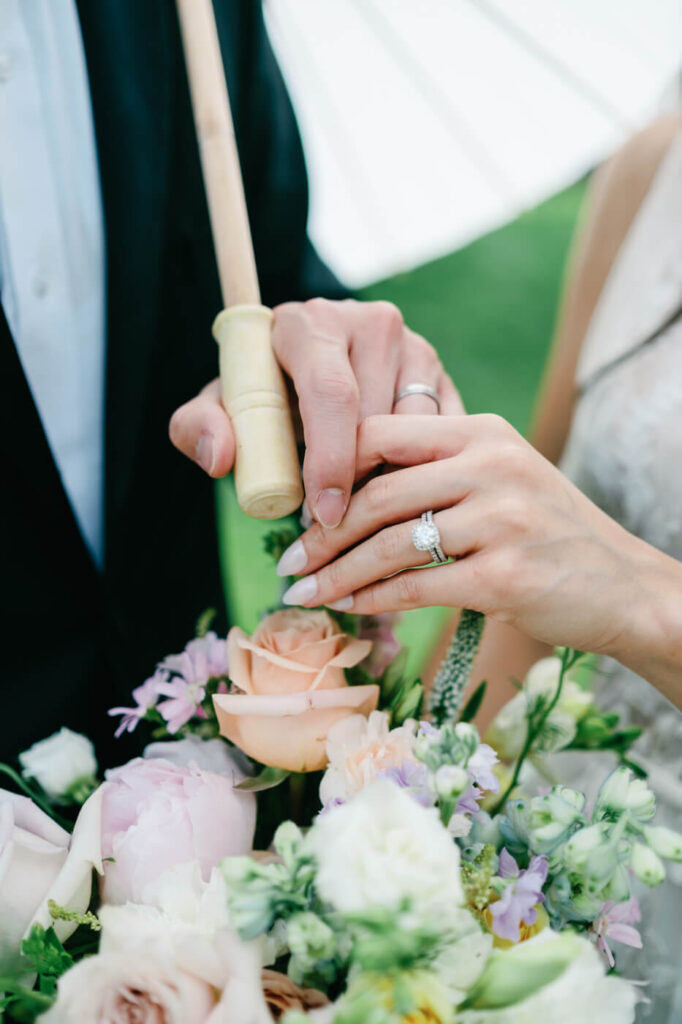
<point>625,452</point>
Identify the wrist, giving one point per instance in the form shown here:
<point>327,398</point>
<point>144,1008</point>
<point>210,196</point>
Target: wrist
<point>650,643</point>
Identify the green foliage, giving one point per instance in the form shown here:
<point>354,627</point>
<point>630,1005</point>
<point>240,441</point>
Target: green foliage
<point>278,540</point>
<point>268,778</point>
<point>42,955</point>
<point>453,674</point>
<point>88,919</point>
<point>400,695</point>
<point>205,621</point>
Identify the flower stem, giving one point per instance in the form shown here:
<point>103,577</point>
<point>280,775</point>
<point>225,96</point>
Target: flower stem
<point>535,725</point>
<point>35,797</point>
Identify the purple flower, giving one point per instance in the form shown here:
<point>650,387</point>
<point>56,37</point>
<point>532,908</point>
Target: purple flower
<point>203,658</point>
<point>616,922</point>
<point>184,703</point>
<point>480,768</point>
<point>145,697</point>
<point>517,902</point>
<point>468,802</point>
<point>426,729</point>
<point>414,778</point>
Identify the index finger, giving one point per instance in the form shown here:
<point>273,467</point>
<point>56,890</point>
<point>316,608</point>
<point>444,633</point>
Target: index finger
<point>317,360</point>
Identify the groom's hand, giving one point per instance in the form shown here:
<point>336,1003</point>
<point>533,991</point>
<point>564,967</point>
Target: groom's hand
<point>346,361</point>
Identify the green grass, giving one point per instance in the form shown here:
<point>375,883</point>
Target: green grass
<point>489,310</point>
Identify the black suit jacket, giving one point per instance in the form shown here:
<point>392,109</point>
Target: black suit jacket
<point>76,641</point>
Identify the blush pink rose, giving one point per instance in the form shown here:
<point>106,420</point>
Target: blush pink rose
<point>156,814</point>
<point>292,676</point>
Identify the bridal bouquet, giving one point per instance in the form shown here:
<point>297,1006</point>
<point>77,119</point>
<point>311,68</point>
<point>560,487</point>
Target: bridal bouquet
<point>305,841</point>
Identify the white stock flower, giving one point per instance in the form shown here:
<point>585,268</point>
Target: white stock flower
<point>507,732</point>
<point>59,761</point>
<point>581,993</point>
<point>358,748</point>
<point>382,848</point>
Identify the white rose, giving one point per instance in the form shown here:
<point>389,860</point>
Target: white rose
<point>59,761</point>
<point>581,993</point>
<point>507,733</point>
<point>169,958</point>
<point>39,862</point>
<point>382,848</point>
<point>121,987</point>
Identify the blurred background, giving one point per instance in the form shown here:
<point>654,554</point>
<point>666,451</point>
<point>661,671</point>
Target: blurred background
<point>449,144</point>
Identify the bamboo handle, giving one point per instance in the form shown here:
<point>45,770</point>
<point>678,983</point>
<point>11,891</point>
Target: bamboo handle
<point>267,474</point>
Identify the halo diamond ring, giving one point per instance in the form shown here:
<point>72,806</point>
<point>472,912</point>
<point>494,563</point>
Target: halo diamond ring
<point>426,537</point>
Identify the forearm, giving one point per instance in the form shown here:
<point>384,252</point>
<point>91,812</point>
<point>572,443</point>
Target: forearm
<point>651,642</point>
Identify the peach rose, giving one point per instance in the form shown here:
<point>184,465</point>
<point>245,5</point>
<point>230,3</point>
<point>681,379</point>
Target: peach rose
<point>294,688</point>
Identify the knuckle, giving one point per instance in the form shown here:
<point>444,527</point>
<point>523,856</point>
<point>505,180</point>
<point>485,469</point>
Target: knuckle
<point>495,424</point>
<point>388,546</point>
<point>388,317</point>
<point>408,588</point>
<point>335,388</point>
<point>319,307</point>
<point>376,495</point>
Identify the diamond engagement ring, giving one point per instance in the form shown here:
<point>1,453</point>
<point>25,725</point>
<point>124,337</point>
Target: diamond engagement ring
<point>417,389</point>
<point>425,537</point>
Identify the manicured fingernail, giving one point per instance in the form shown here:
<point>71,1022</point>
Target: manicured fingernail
<point>301,592</point>
<point>306,516</point>
<point>344,604</point>
<point>331,507</point>
<point>205,452</point>
<point>293,560</point>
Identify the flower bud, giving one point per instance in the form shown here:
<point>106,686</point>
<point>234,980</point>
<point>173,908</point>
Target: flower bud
<point>646,865</point>
<point>517,973</point>
<point>664,841</point>
<point>622,792</point>
<point>450,780</point>
<point>578,848</point>
<point>62,764</point>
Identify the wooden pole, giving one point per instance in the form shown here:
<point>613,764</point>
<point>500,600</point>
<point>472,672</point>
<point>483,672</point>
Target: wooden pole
<point>267,474</point>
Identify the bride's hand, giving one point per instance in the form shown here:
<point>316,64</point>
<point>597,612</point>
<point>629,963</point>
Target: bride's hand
<point>528,547</point>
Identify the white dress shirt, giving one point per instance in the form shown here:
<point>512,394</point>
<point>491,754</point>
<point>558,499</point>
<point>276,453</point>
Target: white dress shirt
<point>52,273</point>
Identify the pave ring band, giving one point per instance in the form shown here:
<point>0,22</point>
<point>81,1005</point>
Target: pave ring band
<point>417,388</point>
<point>426,537</point>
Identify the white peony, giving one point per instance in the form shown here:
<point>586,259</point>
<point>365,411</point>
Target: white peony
<point>382,848</point>
<point>210,755</point>
<point>358,748</point>
<point>507,733</point>
<point>583,992</point>
<point>59,761</point>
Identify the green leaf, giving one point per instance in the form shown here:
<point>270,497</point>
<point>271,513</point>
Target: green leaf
<point>204,622</point>
<point>472,706</point>
<point>47,957</point>
<point>267,779</point>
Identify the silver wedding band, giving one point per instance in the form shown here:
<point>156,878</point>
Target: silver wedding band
<point>426,537</point>
<point>417,389</point>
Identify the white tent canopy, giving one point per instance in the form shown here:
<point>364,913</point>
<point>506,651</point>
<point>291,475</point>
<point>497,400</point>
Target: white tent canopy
<point>428,122</point>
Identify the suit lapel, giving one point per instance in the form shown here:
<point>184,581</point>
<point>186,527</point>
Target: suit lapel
<point>129,51</point>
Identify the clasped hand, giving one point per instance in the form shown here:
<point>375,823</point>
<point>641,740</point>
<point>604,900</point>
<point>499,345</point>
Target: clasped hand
<point>527,547</point>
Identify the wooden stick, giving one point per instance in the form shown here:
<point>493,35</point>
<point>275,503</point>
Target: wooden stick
<point>267,474</point>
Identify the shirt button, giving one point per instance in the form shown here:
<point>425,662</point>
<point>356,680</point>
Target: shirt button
<point>40,285</point>
<point>6,66</point>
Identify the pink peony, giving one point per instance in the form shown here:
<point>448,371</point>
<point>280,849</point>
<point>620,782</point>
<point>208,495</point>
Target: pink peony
<point>291,674</point>
<point>156,814</point>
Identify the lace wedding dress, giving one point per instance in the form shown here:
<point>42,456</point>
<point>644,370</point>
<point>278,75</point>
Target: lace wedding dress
<point>625,452</point>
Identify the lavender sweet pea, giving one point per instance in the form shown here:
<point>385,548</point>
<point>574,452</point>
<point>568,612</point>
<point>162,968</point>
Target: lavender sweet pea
<point>520,896</point>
